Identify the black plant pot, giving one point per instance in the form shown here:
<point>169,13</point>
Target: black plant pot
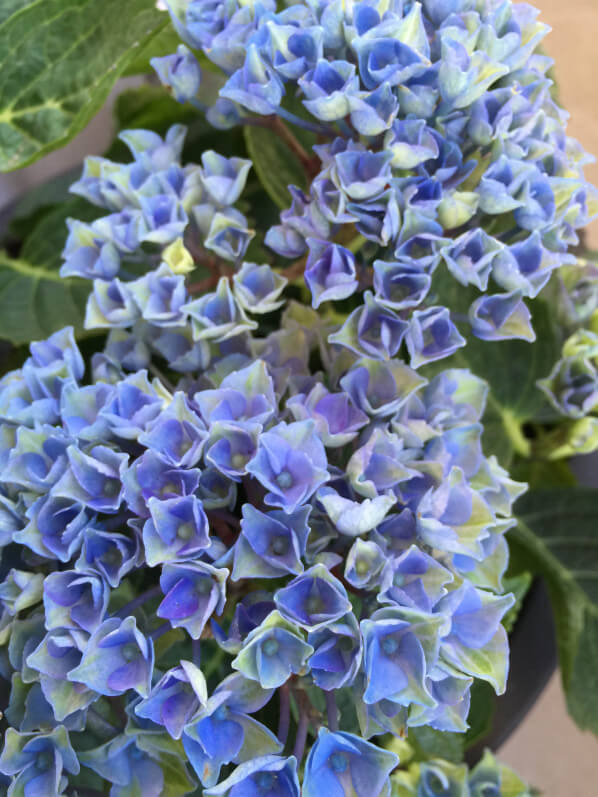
<point>533,659</point>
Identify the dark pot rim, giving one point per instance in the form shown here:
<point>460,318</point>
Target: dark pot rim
<point>533,660</point>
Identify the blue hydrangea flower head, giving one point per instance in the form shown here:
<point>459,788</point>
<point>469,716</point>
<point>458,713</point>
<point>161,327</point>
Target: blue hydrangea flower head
<point>270,544</point>
<point>400,645</point>
<point>217,315</point>
<point>176,529</point>
<point>75,599</point>
<point>59,652</point>
<point>193,591</point>
<point>125,765</point>
<point>343,764</point>
<point>117,657</point>
<point>267,776</point>
<point>432,336</point>
<point>380,388</point>
<point>224,178</point>
<point>245,396</point>
<point>177,435</point>
<point>290,463</point>
<point>176,697</point>
<point>20,590</point>
<point>258,288</point>
<point>272,652</point>
<point>337,653</point>
<point>337,419</point>
<point>313,599</point>
<point>373,330</point>
<point>255,86</point>
<point>150,476</point>
<point>330,271</point>
<point>109,554</point>
<point>179,72</point>
<point>364,564</point>
<point>39,761</point>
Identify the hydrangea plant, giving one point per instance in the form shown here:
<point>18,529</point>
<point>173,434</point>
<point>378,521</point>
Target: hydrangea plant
<point>259,461</point>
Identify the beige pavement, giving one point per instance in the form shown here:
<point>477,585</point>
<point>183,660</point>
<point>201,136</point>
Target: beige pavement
<point>573,43</point>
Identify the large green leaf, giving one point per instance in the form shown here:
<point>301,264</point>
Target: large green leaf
<point>163,43</point>
<point>276,166</point>
<point>557,535</point>
<point>428,743</point>
<point>34,299</point>
<point>152,108</point>
<point>58,61</point>
<point>10,7</point>
<point>481,713</point>
<point>276,161</point>
<point>512,369</point>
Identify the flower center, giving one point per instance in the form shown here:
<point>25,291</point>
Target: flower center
<point>280,545</point>
<point>284,480</point>
<point>130,651</point>
<point>203,586</point>
<point>185,445</point>
<point>314,605</point>
<point>389,645</point>
<point>270,647</point>
<point>112,557</point>
<point>265,781</point>
<point>399,579</point>
<point>339,762</point>
<point>44,760</point>
<point>185,531</point>
<point>361,567</point>
<point>238,461</point>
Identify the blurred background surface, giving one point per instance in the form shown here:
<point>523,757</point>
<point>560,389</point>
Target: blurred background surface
<point>547,749</point>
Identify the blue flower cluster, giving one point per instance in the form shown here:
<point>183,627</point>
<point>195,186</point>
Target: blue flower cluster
<point>439,143</point>
<point>346,530</point>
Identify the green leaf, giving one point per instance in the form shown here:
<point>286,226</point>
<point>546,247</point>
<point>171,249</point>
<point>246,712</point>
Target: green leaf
<point>39,200</point>
<point>10,7</point>
<point>34,299</point>
<point>481,713</point>
<point>557,535</point>
<point>428,743</point>
<point>177,781</point>
<point>519,585</point>
<point>44,244</point>
<point>511,368</point>
<point>275,165</point>
<point>543,473</point>
<point>164,42</point>
<point>151,108</point>
<point>58,62</point>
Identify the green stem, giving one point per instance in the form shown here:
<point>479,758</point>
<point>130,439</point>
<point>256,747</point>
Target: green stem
<point>356,244</point>
<point>515,433</point>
